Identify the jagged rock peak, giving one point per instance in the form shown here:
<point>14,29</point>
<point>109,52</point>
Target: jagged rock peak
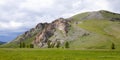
<point>43,37</point>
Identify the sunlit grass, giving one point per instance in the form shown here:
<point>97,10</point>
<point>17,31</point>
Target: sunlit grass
<point>58,54</point>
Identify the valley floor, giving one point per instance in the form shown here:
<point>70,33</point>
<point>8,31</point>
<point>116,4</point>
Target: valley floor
<point>57,54</point>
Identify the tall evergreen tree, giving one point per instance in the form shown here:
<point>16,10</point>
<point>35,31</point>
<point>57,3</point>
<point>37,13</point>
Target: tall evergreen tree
<point>58,44</point>
<point>31,46</point>
<point>113,46</point>
<point>23,45</point>
<point>67,44</point>
<point>48,43</point>
<point>20,44</point>
<point>52,45</point>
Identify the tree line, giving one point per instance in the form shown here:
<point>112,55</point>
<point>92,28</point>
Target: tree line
<point>66,45</point>
<point>23,45</point>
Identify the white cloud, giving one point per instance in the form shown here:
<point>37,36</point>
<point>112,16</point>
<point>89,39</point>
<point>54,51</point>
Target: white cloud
<point>14,16</point>
<point>11,25</point>
<point>91,5</point>
<point>36,5</point>
<point>31,12</point>
<point>2,2</point>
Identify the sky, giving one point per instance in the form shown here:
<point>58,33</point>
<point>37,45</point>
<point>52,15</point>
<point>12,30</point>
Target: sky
<point>18,16</point>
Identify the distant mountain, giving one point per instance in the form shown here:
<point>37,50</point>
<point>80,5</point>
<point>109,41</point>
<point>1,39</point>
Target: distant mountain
<point>2,42</point>
<point>89,30</point>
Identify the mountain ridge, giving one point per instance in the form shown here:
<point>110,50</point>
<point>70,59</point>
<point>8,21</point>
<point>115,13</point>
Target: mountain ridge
<point>2,42</point>
<point>80,30</point>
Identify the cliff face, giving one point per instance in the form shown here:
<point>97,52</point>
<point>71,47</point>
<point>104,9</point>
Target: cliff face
<point>42,38</point>
<point>28,34</point>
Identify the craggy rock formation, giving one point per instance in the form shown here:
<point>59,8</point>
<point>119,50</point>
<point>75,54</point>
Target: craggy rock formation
<point>28,34</point>
<point>49,29</point>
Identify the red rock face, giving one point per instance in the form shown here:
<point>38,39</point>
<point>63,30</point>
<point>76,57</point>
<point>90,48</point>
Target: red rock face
<point>48,31</point>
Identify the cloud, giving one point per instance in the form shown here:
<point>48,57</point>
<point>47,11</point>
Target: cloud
<point>20,15</point>
<point>37,5</point>
<point>9,25</point>
<point>114,5</point>
<point>2,2</point>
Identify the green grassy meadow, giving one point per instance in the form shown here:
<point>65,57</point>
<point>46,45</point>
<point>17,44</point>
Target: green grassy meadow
<point>57,54</point>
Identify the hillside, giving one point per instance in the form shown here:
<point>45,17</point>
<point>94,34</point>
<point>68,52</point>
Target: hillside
<point>89,30</point>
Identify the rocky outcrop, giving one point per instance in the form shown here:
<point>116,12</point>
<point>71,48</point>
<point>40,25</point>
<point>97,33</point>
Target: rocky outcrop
<point>28,34</point>
<point>48,31</point>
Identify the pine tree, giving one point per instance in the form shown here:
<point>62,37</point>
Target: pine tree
<point>28,46</point>
<point>67,44</point>
<point>48,43</point>
<point>113,46</point>
<point>20,44</point>
<point>31,46</point>
<point>23,45</point>
<point>52,45</point>
<point>58,44</point>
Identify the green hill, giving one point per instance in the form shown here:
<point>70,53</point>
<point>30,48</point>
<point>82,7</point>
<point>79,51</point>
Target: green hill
<point>104,29</point>
<point>89,30</point>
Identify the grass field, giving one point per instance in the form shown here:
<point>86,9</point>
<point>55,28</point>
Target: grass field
<point>57,54</point>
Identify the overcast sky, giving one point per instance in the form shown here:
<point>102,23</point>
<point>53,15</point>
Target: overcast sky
<point>17,16</point>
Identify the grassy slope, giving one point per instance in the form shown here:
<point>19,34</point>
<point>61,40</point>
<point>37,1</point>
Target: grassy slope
<point>13,44</point>
<point>58,54</point>
<point>102,32</point>
<point>99,37</point>
<point>110,14</point>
